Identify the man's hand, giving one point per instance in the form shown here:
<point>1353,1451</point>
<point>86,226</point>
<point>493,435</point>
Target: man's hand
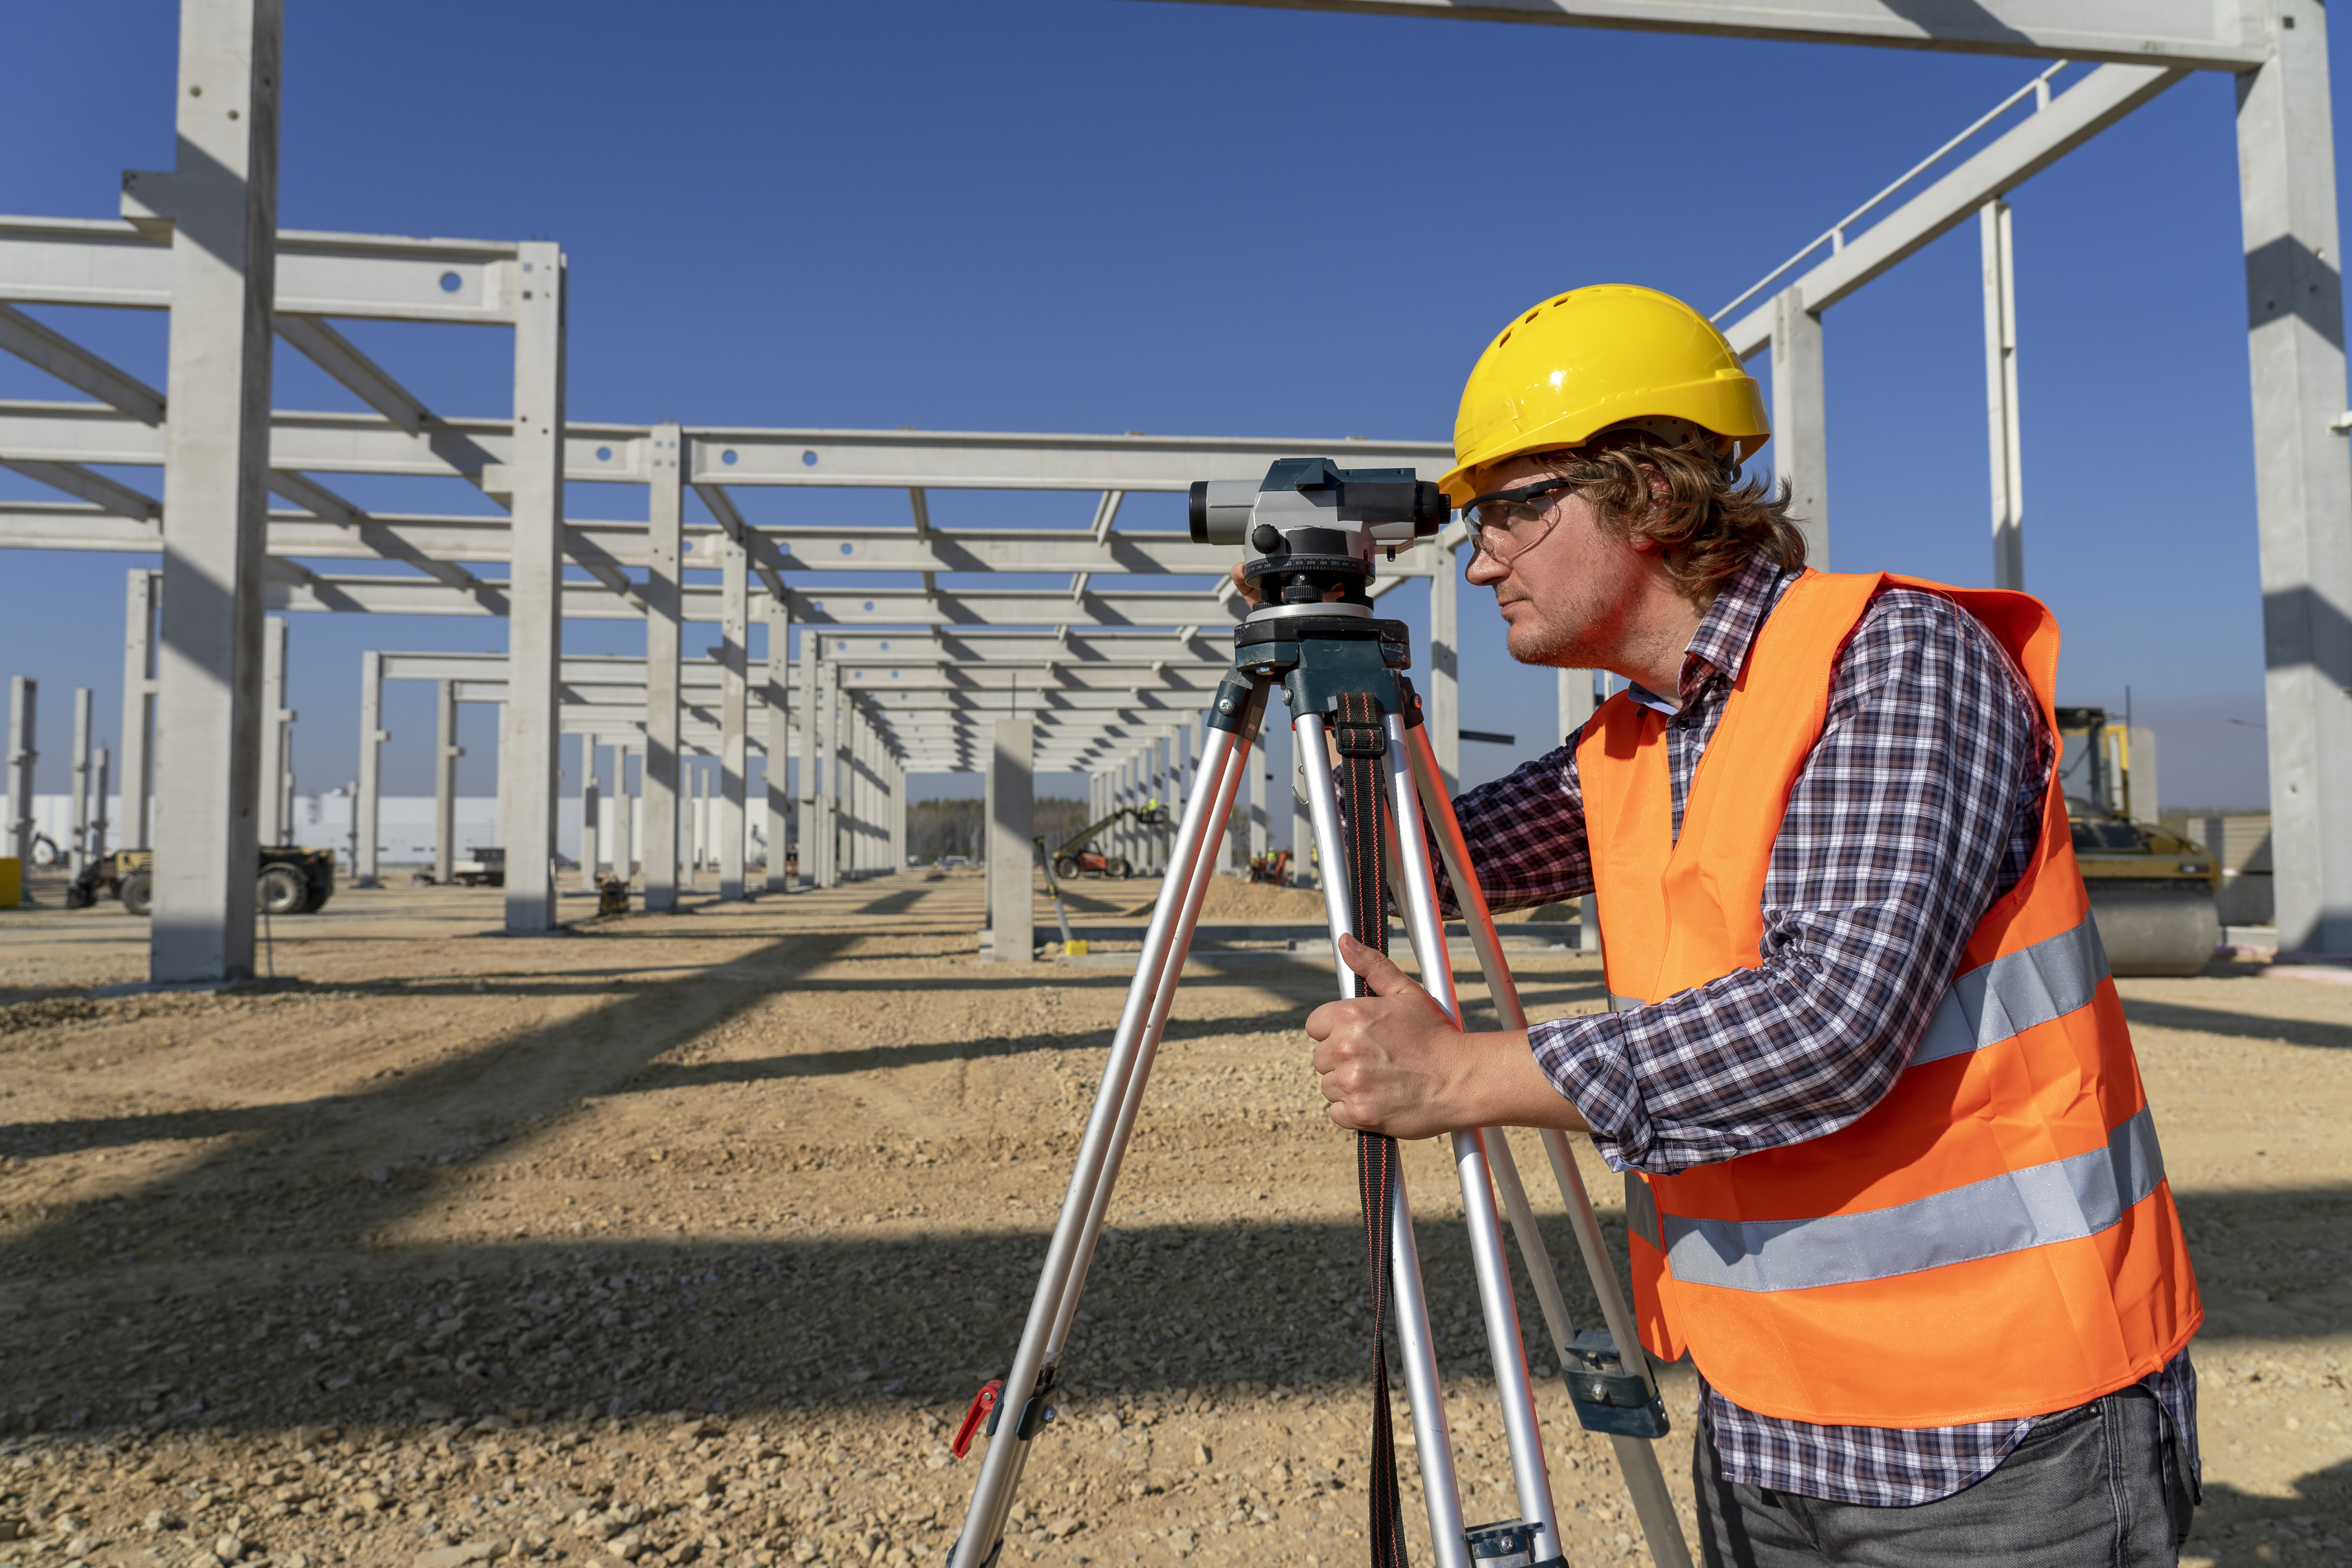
<point>1393,1062</point>
<point>1249,589</point>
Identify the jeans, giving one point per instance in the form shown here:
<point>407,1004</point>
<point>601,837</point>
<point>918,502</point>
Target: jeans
<point>2099,1486</point>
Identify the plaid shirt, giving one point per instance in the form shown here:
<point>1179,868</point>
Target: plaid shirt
<point>1920,806</point>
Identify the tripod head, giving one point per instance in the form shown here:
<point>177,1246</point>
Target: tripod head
<point>1311,526</point>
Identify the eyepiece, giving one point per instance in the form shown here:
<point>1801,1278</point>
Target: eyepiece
<point>1429,508</point>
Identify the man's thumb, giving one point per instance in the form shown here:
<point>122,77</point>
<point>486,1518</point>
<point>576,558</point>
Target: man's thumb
<point>1378,968</point>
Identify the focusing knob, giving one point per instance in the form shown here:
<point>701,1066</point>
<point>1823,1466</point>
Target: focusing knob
<point>1266,539</point>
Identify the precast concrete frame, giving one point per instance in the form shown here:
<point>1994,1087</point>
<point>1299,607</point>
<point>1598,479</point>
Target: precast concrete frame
<point>2277,50</point>
<point>227,264</point>
<point>202,242</point>
<point>920,709</point>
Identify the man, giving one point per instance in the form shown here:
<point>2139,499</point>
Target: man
<point>1890,1179</point>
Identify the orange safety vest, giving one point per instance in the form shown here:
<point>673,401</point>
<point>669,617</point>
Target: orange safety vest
<point>1995,1238</point>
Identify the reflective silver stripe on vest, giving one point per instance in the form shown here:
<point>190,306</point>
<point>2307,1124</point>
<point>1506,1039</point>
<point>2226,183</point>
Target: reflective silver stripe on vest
<point>2016,991</point>
<point>1642,1211</point>
<point>2001,1000</point>
<point>2063,1200</point>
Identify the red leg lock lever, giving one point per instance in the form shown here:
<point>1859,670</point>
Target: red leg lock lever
<point>983,1404</point>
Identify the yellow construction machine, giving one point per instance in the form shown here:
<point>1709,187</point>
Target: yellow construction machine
<point>2155,895</point>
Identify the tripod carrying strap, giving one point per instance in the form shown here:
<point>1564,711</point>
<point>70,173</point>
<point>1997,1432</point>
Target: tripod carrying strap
<point>1361,738</point>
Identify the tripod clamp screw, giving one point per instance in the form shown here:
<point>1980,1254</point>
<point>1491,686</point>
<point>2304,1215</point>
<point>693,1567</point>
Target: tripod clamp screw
<point>1608,1396</point>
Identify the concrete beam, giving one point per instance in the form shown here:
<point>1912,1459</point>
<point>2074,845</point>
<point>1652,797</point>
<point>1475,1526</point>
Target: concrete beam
<point>49,349</point>
<point>2189,33</point>
<point>903,459</point>
<point>2074,117</point>
<point>331,351</point>
<point>71,261</point>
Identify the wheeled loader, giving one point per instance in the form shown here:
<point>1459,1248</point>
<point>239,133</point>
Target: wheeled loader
<point>294,880</point>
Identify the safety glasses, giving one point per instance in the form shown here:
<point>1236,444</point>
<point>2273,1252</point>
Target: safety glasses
<point>1505,525</point>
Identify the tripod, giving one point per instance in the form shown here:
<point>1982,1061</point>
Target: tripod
<point>1339,669</point>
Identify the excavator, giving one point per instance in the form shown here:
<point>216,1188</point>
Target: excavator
<point>2155,895</point>
<point>1074,858</point>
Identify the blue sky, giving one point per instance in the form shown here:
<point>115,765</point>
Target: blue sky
<point>1116,215</point>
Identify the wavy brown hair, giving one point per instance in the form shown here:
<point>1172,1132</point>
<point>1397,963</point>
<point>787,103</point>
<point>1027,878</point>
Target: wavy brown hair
<point>1707,519</point>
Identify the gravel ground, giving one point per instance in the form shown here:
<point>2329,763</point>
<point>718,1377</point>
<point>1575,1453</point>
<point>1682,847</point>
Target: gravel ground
<point>688,1238</point>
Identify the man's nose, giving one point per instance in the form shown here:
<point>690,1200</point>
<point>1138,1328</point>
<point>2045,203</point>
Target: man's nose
<point>1483,569</point>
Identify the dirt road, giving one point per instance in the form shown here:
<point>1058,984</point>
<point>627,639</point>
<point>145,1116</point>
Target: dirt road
<point>689,1237</point>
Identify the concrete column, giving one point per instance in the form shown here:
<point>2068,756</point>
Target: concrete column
<point>138,705</point>
<point>1442,713</point>
<point>446,752</point>
<point>864,802</point>
<point>1132,777</point>
<point>836,770</point>
<point>805,787</point>
<point>1576,706</point>
<point>367,821</point>
<point>664,541</point>
<point>853,792</point>
<point>270,772</point>
<point>221,202</point>
<point>1122,832</point>
<point>1303,872</point>
<point>627,852</point>
<point>98,822</point>
<point>2302,486</point>
<point>528,756</point>
<point>2006,453</point>
<point>734,698</point>
<point>898,817</point>
<point>78,852</point>
<point>1800,420</point>
<point>778,779</point>
<point>1012,822</point>
<point>24,730</point>
<point>590,809</point>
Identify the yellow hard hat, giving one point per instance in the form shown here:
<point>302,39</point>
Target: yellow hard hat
<point>1596,357</point>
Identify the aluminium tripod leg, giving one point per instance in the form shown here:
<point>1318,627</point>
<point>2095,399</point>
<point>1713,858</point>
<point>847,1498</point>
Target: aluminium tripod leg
<point>1433,1442</point>
<point>1225,784</point>
<point>1108,1127</point>
<point>1506,1349</point>
<point>1637,1457</point>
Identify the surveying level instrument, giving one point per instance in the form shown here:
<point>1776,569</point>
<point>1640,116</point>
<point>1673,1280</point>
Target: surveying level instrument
<point>1311,529</point>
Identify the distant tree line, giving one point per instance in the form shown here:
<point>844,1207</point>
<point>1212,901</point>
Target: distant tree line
<point>940,827</point>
